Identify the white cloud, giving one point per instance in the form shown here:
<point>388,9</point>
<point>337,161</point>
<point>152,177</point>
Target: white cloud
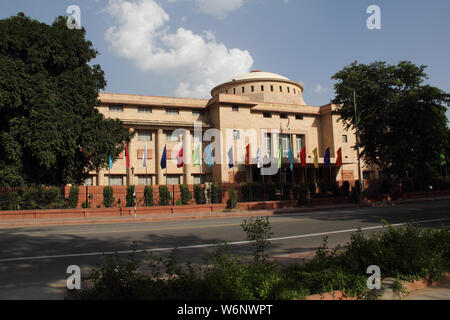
<point>219,8</point>
<point>198,62</point>
<point>319,89</point>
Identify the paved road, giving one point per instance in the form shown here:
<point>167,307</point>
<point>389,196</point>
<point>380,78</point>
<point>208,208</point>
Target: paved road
<point>33,261</point>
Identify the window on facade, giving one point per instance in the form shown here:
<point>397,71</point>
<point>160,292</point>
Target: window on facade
<point>171,137</point>
<point>116,108</point>
<point>144,135</point>
<point>298,117</point>
<point>234,90</point>
<point>199,179</point>
<point>198,112</point>
<point>172,111</point>
<point>299,144</point>
<point>173,179</point>
<point>253,88</point>
<point>271,88</point>
<point>344,138</point>
<point>268,144</point>
<point>294,91</point>
<point>235,107</point>
<point>289,90</point>
<point>144,180</point>
<point>89,181</point>
<point>115,180</point>
<point>283,116</point>
<point>267,115</point>
<point>236,134</point>
<point>262,88</point>
<point>284,142</point>
<point>144,110</point>
<point>281,89</point>
<point>226,91</point>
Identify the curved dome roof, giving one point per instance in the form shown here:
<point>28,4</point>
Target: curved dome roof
<point>258,75</point>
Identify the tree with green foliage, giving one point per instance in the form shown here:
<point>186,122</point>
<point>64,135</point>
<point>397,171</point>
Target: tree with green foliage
<point>401,121</point>
<point>50,130</point>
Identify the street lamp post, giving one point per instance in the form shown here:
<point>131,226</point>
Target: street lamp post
<point>357,148</point>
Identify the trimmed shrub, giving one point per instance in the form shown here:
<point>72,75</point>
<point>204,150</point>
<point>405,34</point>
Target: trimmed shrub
<point>245,192</point>
<point>216,193</point>
<point>11,201</point>
<point>312,188</point>
<point>199,194</point>
<point>148,196</point>
<point>108,198</point>
<point>323,188</point>
<point>302,194</point>
<point>131,199</point>
<point>286,190</point>
<point>271,191</point>
<point>186,195</point>
<point>232,202</point>
<point>72,200</point>
<point>164,196</point>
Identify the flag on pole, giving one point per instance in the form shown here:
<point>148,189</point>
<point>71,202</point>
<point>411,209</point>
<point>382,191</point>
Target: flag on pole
<point>339,158</point>
<point>180,159</point>
<point>247,155</point>
<point>326,159</point>
<point>197,157</point>
<point>316,159</point>
<point>259,158</point>
<point>110,161</point>
<point>230,158</point>
<point>209,156</point>
<point>144,157</point>
<point>279,156</point>
<point>303,157</point>
<point>164,158</point>
<point>127,155</point>
<point>289,124</point>
<point>291,158</point>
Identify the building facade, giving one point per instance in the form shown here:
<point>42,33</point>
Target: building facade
<point>250,116</point>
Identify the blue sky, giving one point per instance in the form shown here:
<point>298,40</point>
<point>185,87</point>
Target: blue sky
<point>185,47</point>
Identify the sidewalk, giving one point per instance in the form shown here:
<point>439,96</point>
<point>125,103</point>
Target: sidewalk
<point>168,217</point>
<point>192,216</point>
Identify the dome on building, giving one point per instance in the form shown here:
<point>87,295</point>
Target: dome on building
<point>257,74</point>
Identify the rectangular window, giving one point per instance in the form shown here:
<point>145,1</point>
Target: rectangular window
<point>294,91</point>
<point>271,88</point>
<point>243,89</point>
<point>198,112</point>
<point>116,108</point>
<point>267,115</point>
<point>144,180</point>
<point>199,179</point>
<point>289,90</point>
<point>89,181</point>
<point>283,116</point>
<point>234,90</point>
<point>344,138</point>
<point>144,109</point>
<point>268,144</point>
<point>253,88</point>
<point>172,138</point>
<point>281,89</point>
<point>173,179</point>
<point>299,144</point>
<point>236,134</point>
<point>298,117</point>
<point>144,135</point>
<point>284,142</point>
<point>235,107</point>
<point>115,180</point>
<point>172,111</point>
<point>262,88</point>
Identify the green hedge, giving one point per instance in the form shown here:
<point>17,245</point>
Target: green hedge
<point>108,197</point>
<point>164,196</point>
<point>148,196</point>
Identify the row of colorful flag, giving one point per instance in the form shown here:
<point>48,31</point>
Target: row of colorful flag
<point>209,159</point>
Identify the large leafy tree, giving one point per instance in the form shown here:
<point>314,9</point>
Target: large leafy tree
<point>402,121</point>
<point>50,131</point>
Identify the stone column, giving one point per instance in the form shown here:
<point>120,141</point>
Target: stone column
<point>101,178</point>
<point>159,152</point>
<point>187,152</point>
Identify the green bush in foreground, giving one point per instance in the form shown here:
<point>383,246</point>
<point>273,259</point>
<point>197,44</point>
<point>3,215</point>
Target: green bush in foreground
<point>403,253</point>
<point>148,196</point>
<point>108,198</point>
